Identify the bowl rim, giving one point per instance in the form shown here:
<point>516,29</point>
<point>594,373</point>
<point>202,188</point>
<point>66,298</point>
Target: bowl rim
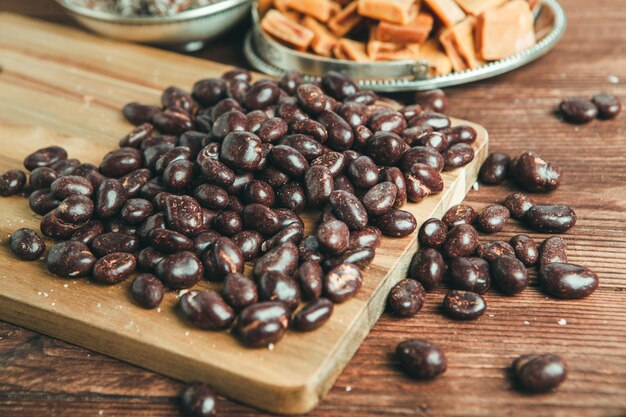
<point>195,13</point>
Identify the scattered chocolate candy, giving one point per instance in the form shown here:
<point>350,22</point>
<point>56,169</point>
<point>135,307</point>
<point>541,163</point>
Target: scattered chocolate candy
<point>492,218</point>
<point>578,110</point>
<point>263,323</point>
<point>551,218</point>
<point>407,298</point>
<point>464,305</point>
<point>198,400</point>
<point>313,315</point>
<point>114,267</point>
<point>608,105</point>
<point>461,240</point>
<point>432,100</point>
<point>70,259</point>
<point>469,274</point>
<point>12,182</point>
<point>421,359</point>
<point>539,373</point>
<point>495,169</point>
<point>553,249</point>
<point>26,244</point>
<point>459,214</point>
<point>427,267</point>
<point>518,204</point>
<point>535,174</point>
<point>432,233</point>
<point>565,280</point>
<point>44,157</point>
<point>525,249</point>
<point>276,286</point>
<point>206,310</point>
<point>147,290</point>
<point>342,282</point>
<point>509,274</point>
<point>490,251</point>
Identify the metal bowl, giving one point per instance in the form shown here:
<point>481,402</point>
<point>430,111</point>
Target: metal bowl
<point>272,58</point>
<point>187,30</point>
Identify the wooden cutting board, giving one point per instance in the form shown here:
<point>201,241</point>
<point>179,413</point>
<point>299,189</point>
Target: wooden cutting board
<point>62,86</point>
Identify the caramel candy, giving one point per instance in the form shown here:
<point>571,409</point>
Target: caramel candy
<point>389,51</point>
<point>319,9</point>
<point>461,38</point>
<point>281,6</point>
<point>403,54</point>
<point>463,35</point>
<point>476,7</point>
<point>344,21</point>
<point>286,31</point>
<point>324,40</point>
<point>334,8</point>
<point>394,11</point>
<point>264,6</point>
<point>447,11</point>
<point>293,16</point>
<point>439,62</point>
<point>415,31</point>
<point>376,47</point>
<point>447,41</point>
<point>505,31</point>
<point>351,50</point>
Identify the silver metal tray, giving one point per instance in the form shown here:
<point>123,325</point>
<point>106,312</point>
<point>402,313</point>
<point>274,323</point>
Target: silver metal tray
<point>272,58</point>
<point>187,30</point>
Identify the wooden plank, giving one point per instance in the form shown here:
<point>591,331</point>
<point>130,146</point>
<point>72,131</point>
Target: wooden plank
<point>71,86</point>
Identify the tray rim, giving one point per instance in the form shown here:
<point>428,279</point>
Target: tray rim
<point>489,70</point>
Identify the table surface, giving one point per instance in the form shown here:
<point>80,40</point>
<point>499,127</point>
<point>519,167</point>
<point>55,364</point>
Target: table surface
<point>44,376</point>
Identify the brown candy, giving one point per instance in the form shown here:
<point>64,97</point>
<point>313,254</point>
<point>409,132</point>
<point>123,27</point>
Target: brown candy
<point>427,267</point>
<point>407,298</point>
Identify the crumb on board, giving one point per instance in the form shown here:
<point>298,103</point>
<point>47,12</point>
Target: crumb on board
<point>562,322</point>
<point>613,79</point>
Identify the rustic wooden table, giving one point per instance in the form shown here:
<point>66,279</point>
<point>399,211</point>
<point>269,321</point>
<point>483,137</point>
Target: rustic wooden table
<point>44,376</point>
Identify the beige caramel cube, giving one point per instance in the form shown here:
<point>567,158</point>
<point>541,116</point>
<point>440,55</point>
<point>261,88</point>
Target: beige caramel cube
<point>437,60</point>
<point>505,31</point>
<point>476,7</point>
<point>286,31</point>
<point>346,20</point>
<point>415,31</point>
<point>463,37</point>
<point>323,41</point>
<point>447,11</point>
<point>393,11</point>
<point>351,50</point>
<point>445,38</point>
<point>281,6</point>
<point>319,9</point>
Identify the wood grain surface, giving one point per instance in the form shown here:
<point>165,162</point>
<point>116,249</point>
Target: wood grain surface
<point>43,376</point>
<point>67,88</point>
